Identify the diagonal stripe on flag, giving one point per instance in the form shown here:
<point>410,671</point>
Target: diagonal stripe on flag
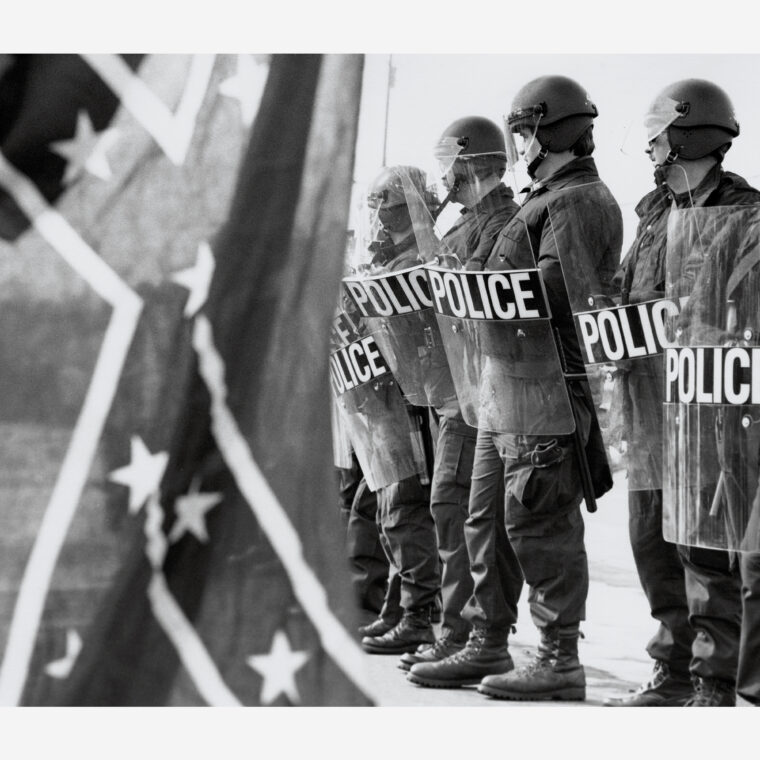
<point>272,517</point>
<point>87,431</point>
<point>172,131</point>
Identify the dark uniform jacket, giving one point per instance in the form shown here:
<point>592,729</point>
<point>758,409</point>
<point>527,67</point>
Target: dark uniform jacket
<point>571,227</point>
<point>641,277</point>
<point>472,237</point>
<point>469,242</point>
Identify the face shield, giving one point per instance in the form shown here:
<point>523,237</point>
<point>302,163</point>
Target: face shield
<point>521,128</point>
<point>446,153</point>
<point>396,221</point>
<point>640,137</point>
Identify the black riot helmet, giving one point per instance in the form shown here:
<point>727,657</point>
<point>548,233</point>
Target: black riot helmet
<point>473,139</point>
<point>556,107</point>
<point>697,116</point>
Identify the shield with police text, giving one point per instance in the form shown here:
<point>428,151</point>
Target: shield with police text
<point>496,328</point>
<point>711,380</point>
<point>620,340</point>
<point>397,309</point>
<point>386,436</point>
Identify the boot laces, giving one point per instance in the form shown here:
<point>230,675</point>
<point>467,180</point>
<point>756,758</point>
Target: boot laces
<point>473,646</point>
<point>440,646</point>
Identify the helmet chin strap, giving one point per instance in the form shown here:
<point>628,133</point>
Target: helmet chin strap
<point>445,202</point>
<point>536,162</point>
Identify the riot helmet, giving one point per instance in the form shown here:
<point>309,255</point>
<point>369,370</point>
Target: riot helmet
<point>698,118</point>
<point>468,151</point>
<point>554,111</point>
<point>393,194</point>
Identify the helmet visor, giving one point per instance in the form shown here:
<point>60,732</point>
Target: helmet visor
<point>520,136</point>
<point>446,151</point>
<point>661,114</point>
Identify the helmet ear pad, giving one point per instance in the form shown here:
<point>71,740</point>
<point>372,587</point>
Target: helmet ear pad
<point>692,143</point>
<point>563,134</point>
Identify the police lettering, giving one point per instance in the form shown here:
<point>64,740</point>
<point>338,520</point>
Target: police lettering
<point>625,332</point>
<point>709,375</point>
<point>357,363</point>
<point>343,332</point>
<point>389,295</point>
<point>504,295</point>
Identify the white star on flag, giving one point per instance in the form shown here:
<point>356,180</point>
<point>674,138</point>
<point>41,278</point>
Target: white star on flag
<point>191,514</point>
<point>246,86</point>
<point>142,475</point>
<point>278,669</point>
<point>62,668</point>
<point>197,279</point>
<point>87,150</point>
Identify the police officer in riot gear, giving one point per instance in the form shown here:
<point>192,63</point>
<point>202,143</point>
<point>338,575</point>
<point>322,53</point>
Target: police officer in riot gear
<point>694,593</point>
<point>472,160</point>
<point>406,526</point>
<point>553,116</point>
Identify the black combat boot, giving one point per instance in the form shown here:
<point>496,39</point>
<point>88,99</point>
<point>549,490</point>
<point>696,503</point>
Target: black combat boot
<point>554,673</point>
<point>443,647</point>
<point>712,692</point>
<point>485,652</point>
<point>413,629</point>
<point>664,689</point>
<point>378,626</point>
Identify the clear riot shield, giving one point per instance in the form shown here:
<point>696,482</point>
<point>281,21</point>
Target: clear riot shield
<point>397,310</point>
<point>387,439</point>
<point>711,380</point>
<point>621,340</point>
<point>498,338</point>
<point>391,296</point>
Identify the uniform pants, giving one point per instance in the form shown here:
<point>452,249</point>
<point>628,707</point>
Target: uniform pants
<point>661,574</point>
<point>748,675</point>
<point>368,562</point>
<point>713,591</point>
<point>449,498</point>
<point>724,603</point>
<point>408,536</point>
<point>496,574</point>
<point>545,525</point>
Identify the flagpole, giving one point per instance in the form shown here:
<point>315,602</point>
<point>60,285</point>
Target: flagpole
<point>387,105</point>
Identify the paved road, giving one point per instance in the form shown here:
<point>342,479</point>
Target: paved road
<point>617,628</point>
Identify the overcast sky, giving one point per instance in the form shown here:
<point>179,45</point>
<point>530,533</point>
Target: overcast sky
<point>430,91</point>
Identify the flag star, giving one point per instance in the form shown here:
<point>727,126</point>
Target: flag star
<point>278,669</point>
<point>197,279</point>
<point>62,668</point>
<point>246,86</point>
<point>191,515</point>
<point>142,475</point>
<point>87,150</point>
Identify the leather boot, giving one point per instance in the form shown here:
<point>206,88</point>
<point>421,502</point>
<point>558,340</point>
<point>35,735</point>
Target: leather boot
<point>664,689</point>
<point>485,652</point>
<point>413,629</point>
<point>377,627</point>
<point>443,647</point>
<point>555,672</point>
<point>712,692</point>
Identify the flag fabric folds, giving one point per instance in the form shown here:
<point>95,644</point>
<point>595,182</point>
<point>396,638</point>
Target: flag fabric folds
<point>170,530</point>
